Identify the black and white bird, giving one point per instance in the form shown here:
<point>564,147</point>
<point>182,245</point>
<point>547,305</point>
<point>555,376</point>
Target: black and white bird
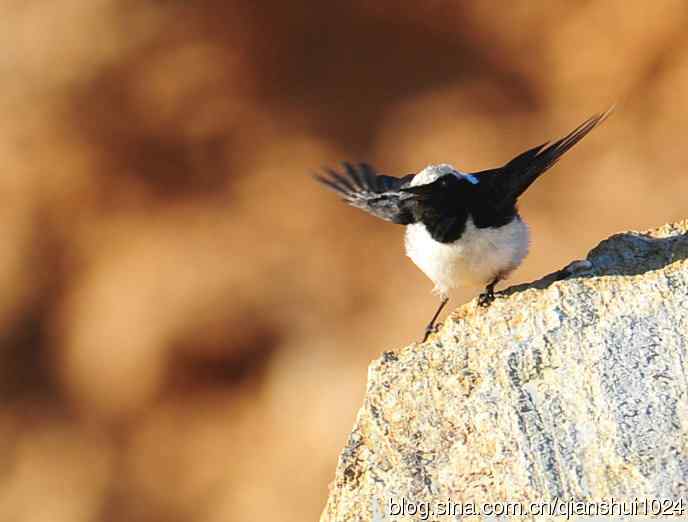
<point>462,229</point>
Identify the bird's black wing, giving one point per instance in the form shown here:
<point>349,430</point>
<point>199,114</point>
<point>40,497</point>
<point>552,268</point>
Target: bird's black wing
<point>377,194</point>
<point>504,185</point>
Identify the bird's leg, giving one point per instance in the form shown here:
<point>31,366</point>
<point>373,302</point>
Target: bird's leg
<point>485,299</point>
<point>431,325</point>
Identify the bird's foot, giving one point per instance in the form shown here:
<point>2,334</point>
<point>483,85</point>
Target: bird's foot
<point>486,298</point>
<point>431,329</point>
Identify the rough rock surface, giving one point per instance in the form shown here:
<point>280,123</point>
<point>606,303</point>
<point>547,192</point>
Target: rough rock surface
<point>573,387</point>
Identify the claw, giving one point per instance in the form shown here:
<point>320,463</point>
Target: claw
<point>488,296</point>
<point>485,299</point>
<point>430,329</point>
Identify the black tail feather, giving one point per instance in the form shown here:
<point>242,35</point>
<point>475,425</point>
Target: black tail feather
<point>527,167</point>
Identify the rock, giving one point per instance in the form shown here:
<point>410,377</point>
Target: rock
<point>571,387</point>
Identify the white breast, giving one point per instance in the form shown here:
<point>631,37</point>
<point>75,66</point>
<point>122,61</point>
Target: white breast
<point>480,255</point>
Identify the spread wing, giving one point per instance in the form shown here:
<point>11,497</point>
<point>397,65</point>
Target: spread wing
<point>507,183</point>
<point>377,194</point>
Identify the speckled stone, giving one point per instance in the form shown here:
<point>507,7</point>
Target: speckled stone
<point>574,386</point>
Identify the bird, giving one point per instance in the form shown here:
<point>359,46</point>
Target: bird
<point>462,228</point>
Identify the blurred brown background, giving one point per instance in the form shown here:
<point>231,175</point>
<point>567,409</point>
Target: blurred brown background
<point>185,317</point>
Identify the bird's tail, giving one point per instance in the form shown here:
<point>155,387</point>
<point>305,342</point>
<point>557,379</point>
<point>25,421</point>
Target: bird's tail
<point>527,167</point>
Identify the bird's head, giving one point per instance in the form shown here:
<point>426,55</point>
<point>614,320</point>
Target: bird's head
<point>439,181</point>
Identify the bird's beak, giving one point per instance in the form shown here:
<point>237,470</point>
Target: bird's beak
<point>420,190</point>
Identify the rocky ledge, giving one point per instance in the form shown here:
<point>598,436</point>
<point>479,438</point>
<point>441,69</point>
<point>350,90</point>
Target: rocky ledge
<point>571,387</point>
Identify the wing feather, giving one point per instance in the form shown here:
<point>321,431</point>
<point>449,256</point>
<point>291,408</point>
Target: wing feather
<point>377,194</point>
